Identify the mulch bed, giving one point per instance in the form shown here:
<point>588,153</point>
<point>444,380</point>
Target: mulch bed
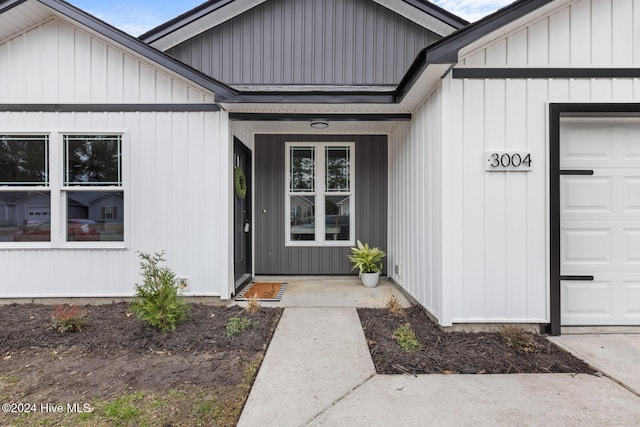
<point>118,352</point>
<point>457,352</point>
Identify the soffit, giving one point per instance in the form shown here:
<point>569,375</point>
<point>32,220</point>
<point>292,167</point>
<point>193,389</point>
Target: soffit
<point>335,127</point>
<point>22,17</point>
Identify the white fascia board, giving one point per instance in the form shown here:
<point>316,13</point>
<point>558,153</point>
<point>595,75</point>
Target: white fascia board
<point>414,15</point>
<point>513,27</point>
<point>205,23</point>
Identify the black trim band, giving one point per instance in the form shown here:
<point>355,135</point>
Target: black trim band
<point>580,278</point>
<point>100,108</point>
<point>544,73</point>
<point>575,172</point>
<point>284,117</point>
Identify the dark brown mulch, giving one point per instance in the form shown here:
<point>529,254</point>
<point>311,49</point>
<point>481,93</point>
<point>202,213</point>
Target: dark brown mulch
<point>118,353</point>
<point>457,352</point>
<point>112,329</point>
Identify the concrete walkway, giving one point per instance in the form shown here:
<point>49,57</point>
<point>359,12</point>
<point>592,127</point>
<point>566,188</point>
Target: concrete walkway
<point>615,355</point>
<point>318,371</point>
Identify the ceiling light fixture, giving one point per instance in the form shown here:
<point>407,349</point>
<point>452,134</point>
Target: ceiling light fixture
<point>319,125</point>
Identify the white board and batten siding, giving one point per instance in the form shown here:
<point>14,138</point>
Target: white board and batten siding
<point>173,197</point>
<point>415,206</point>
<point>495,226</point>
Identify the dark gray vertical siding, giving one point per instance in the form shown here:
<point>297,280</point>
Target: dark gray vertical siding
<point>272,256</point>
<point>333,42</point>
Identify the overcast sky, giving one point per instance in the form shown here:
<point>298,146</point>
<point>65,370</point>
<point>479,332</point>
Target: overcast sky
<point>139,16</point>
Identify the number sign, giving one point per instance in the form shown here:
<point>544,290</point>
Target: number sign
<point>508,161</point>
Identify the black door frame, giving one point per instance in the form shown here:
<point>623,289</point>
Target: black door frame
<point>240,147</point>
<point>556,112</point>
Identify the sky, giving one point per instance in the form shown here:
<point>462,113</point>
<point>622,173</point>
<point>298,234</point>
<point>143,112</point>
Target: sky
<point>138,16</point>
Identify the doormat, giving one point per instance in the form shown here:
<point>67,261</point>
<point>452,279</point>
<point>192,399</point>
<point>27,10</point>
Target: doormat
<point>264,291</point>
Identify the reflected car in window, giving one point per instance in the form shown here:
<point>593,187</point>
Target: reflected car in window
<point>78,229</point>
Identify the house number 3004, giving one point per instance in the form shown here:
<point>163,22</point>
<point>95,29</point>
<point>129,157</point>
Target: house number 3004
<point>508,161</point>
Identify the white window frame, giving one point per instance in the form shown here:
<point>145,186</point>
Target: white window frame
<point>319,193</point>
<point>59,192</point>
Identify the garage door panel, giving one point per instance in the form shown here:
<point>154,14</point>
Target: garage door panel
<point>631,301</point>
<point>587,194</point>
<point>587,297</point>
<point>632,193</point>
<point>627,135</point>
<point>631,247</point>
<point>586,246</point>
<point>585,142</point>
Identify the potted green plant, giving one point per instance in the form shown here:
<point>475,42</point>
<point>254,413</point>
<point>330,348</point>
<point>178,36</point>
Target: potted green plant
<point>369,261</point>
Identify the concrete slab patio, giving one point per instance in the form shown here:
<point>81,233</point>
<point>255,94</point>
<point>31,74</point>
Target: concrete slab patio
<point>332,291</point>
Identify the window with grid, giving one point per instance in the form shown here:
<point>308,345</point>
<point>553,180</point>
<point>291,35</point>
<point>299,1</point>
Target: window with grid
<point>320,194</point>
<point>58,189</point>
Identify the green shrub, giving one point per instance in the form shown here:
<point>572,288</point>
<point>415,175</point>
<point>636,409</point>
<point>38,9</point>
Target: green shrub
<point>406,338</point>
<point>237,325</point>
<point>69,319</point>
<point>158,302</point>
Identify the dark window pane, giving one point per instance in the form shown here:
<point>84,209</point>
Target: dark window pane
<point>92,160</point>
<point>337,169</point>
<point>95,216</point>
<point>337,219</point>
<point>302,171</point>
<point>302,217</point>
<point>24,160</point>
<point>25,216</point>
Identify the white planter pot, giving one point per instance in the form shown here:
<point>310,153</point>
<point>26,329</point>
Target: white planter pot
<point>370,280</point>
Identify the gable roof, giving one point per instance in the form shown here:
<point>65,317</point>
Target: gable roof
<point>215,12</point>
<point>120,37</point>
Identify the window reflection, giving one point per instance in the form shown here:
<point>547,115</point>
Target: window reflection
<point>302,169</point>
<point>337,217</point>
<point>25,216</point>
<point>95,216</point>
<point>24,160</point>
<point>337,169</point>
<point>302,217</point>
<point>92,160</point>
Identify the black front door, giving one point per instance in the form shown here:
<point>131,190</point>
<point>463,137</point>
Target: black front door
<point>242,228</point>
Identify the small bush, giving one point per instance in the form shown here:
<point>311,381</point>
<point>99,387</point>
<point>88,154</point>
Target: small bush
<point>394,307</point>
<point>237,325</point>
<point>518,338</point>
<point>406,338</point>
<point>159,302</point>
<point>253,305</point>
<point>69,318</point>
